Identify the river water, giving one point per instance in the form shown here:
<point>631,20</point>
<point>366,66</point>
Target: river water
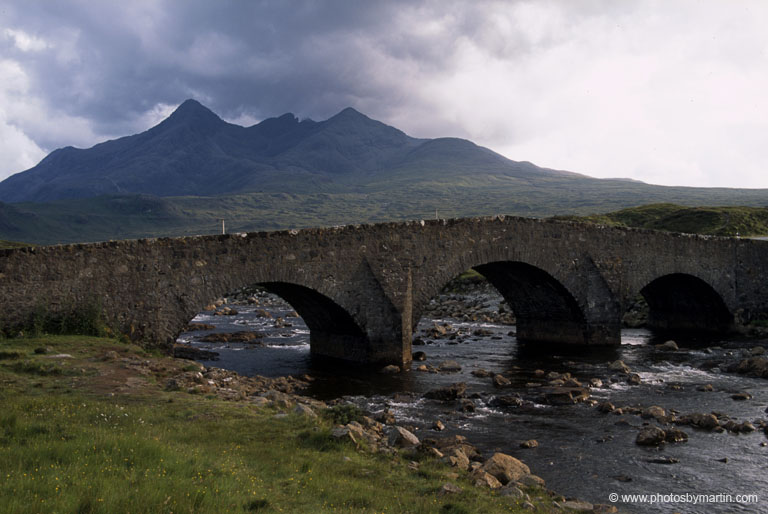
<point>581,453</point>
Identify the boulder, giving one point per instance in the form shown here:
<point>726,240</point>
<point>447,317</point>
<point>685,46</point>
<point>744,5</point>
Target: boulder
<point>343,434</point>
<point>481,373</point>
<point>653,412</point>
<point>501,381</point>
<point>511,490</point>
<point>651,436</point>
<point>390,369</point>
<point>605,407</point>
<point>192,353</point>
<point>449,488</point>
<point>530,443</point>
<point>451,392</point>
<point>449,366</point>
<point>619,366</point>
<point>419,356</point>
<point>386,417</point>
<point>576,505</point>
<point>506,401</point>
<point>674,435</point>
<point>531,481</point>
<point>457,458</point>
<point>402,438</point>
<point>483,479</point>
<point>756,366</point>
<point>505,468</point>
<point>304,410</point>
<point>565,395</point>
<point>634,379</point>
<point>669,346</point>
<point>595,382</point>
<point>705,421</point>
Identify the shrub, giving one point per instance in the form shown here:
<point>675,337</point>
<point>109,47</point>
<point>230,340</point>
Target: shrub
<point>343,414</point>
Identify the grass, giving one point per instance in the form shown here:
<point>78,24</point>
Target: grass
<point>77,441</point>
<point>12,244</point>
<point>717,221</point>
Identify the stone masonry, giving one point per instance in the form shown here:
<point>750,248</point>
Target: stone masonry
<point>361,289</point>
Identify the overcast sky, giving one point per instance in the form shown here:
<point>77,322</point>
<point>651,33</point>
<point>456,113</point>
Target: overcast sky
<point>665,92</point>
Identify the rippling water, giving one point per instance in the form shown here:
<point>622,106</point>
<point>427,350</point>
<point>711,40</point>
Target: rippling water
<point>581,452</point>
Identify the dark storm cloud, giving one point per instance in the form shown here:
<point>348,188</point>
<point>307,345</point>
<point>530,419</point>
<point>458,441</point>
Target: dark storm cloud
<point>114,61</point>
<point>586,86</point>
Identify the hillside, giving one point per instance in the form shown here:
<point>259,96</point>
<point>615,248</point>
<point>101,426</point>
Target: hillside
<point>4,245</point>
<point>194,152</point>
<point>716,221</point>
<point>193,169</point>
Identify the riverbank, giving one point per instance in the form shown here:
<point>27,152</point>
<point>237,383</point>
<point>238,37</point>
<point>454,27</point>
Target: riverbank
<point>95,425</point>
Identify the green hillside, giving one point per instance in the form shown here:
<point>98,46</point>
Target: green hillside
<point>716,221</point>
<point>186,174</point>
<point>4,245</point>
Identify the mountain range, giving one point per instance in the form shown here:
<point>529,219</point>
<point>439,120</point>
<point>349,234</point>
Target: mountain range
<point>194,152</point>
<point>193,169</point>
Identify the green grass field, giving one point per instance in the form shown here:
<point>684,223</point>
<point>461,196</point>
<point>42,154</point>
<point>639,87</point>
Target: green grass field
<point>84,434</point>
<point>715,221</point>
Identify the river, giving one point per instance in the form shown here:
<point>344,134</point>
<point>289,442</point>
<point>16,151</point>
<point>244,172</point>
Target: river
<point>582,452</point>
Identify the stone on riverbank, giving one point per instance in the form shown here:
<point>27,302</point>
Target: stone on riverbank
<point>669,346</point>
<point>449,366</point>
<point>402,438</point>
<point>650,436</point>
<point>505,468</point>
<point>448,393</point>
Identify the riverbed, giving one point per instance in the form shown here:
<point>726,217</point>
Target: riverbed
<point>581,452</point>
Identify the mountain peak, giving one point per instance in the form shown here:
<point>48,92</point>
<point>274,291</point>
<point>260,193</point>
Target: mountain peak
<point>192,111</point>
<point>350,113</point>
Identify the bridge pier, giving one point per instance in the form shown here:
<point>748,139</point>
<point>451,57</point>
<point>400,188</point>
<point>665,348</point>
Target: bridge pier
<point>360,349</point>
<point>568,332</point>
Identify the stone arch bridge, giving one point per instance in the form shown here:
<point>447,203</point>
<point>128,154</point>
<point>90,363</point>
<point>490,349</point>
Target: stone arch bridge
<point>362,289</point>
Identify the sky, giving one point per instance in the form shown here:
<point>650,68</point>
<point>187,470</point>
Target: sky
<point>671,93</point>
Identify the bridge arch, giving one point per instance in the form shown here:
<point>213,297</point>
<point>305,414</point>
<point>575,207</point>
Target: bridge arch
<point>545,307</point>
<point>333,332</point>
<point>682,301</point>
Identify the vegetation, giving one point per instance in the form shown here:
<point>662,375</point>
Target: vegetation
<point>717,221</point>
<point>185,175</point>
<point>87,319</point>
<point>12,244</point>
<point>102,435</point>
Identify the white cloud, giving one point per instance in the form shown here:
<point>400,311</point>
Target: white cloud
<point>18,151</point>
<point>665,92</point>
<point>672,96</point>
<point>25,42</point>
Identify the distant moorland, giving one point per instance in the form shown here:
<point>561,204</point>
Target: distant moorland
<point>183,176</point>
<point>715,221</point>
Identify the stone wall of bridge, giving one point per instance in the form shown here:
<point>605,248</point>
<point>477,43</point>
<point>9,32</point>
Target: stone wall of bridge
<point>362,289</point>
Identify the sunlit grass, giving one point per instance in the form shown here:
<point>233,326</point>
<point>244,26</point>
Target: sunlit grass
<point>66,448</point>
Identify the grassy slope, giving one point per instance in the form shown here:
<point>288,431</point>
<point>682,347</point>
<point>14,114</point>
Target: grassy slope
<point>85,434</point>
<point>719,221</point>
<point>12,244</point>
<point>105,218</point>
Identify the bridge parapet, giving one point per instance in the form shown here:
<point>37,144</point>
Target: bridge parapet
<point>362,288</point>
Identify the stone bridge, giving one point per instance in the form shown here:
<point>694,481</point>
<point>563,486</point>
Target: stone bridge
<point>362,289</point>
